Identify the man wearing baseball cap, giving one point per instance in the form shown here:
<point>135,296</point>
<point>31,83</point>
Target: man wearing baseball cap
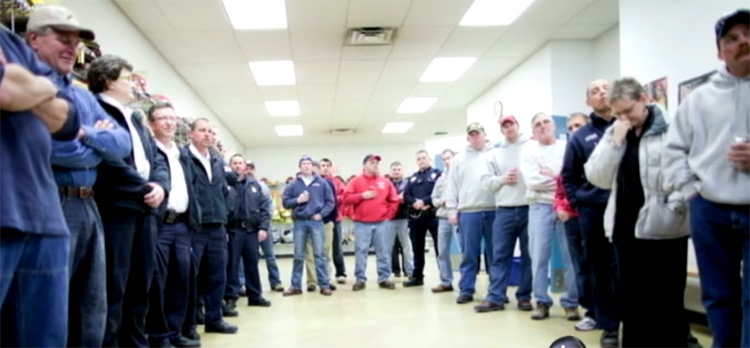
<point>511,218</point>
<point>375,201</point>
<point>471,207</point>
<point>708,159</point>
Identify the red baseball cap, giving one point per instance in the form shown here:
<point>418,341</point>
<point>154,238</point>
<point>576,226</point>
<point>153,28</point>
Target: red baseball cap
<point>371,157</point>
<point>509,118</point>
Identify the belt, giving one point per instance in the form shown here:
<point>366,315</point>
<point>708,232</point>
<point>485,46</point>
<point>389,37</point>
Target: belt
<point>74,191</point>
<point>238,224</point>
<point>172,217</point>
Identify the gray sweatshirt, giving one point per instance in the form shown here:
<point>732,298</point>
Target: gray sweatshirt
<point>704,128</point>
<point>504,157</point>
<point>464,191</point>
<point>438,193</point>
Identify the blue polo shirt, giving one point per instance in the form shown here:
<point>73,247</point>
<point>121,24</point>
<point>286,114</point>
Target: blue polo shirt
<point>29,200</point>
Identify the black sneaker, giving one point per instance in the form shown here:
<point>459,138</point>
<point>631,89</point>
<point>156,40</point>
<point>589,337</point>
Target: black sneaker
<point>488,306</point>
<point>332,287</point>
<point>192,335</point>
<point>221,327</point>
<point>228,311</point>
<point>413,282</point>
<point>610,339</point>
<point>311,288</point>
<point>464,298</point>
<point>184,342</point>
<point>259,302</point>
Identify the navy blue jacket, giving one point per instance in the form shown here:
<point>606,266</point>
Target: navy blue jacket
<point>580,146</point>
<point>118,184</point>
<point>194,209</point>
<point>334,215</point>
<point>248,203</point>
<point>420,186</point>
<point>321,198</point>
<point>211,194</point>
<point>28,194</point>
<point>403,209</point>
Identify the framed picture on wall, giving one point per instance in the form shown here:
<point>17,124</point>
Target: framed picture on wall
<point>688,86</point>
<point>657,90</point>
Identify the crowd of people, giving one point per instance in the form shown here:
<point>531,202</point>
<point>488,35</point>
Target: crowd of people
<point>114,235</point>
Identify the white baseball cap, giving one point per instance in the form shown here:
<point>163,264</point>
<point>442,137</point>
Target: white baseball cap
<point>60,18</point>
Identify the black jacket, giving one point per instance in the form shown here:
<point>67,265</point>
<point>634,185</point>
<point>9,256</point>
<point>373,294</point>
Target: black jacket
<point>211,194</point>
<point>194,209</point>
<point>420,186</point>
<point>246,202</point>
<point>580,146</point>
<point>118,183</point>
<point>403,208</point>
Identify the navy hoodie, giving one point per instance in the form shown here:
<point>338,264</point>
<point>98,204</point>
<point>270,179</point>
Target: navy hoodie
<point>580,146</point>
<point>321,198</point>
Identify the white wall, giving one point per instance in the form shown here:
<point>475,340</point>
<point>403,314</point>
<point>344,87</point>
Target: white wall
<point>571,72</point>
<point>117,35</point>
<point>606,51</point>
<point>278,163</point>
<point>524,92</point>
<point>680,45</point>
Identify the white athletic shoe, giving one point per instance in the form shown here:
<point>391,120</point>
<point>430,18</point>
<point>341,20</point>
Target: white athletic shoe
<point>586,324</point>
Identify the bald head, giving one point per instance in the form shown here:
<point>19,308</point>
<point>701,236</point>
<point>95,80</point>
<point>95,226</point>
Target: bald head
<point>597,97</point>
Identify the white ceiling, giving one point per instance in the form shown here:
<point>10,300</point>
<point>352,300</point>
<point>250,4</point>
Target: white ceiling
<point>342,86</point>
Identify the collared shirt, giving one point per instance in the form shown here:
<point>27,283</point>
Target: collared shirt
<point>205,160</point>
<point>178,194</point>
<point>139,154</point>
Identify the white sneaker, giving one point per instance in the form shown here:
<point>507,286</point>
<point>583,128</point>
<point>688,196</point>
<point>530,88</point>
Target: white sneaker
<point>341,280</point>
<point>586,324</point>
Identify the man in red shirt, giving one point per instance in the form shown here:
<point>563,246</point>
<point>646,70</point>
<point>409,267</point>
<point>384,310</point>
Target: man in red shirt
<point>374,201</point>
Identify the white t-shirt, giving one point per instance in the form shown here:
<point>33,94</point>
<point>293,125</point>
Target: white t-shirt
<point>178,194</point>
<point>535,157</point>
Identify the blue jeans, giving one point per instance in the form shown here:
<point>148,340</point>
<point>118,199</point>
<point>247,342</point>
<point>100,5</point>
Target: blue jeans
<point>315,230</point>
<point>472,228</point>
<point>511,224</point>
<point>87,268</point>
<point>400,229</point>
<point>34,289</point>
<point>542,224</point>
<point>446,231</point>
<point>721,235</point>
<point>366,233</point>
<point>274,277</point>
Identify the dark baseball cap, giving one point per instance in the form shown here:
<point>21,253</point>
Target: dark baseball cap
<point>474,127</point>
<point>371,157</point>
<point>725,24</point>
<point>305,158</point>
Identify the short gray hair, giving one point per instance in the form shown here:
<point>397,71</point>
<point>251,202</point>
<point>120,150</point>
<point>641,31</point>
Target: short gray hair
<point>105,69</point>
<point>535,116</point>
<point>626,88</point>
<point>41,31</point>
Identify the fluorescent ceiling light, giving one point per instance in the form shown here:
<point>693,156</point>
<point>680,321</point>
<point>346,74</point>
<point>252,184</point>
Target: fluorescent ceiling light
<point>415,105</point>
<point>494,12</point>
<point>289,130</point>
<point>447,69</point>
<point>273,73</point>
<point>397,127</point>
<point>283,108</point>
<point>256,14</point>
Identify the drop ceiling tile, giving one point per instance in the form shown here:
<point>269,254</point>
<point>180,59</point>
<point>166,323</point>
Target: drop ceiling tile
<point>316,92</point>
<point>429,90</point>
<point>599,12</point>
<point>420,42</point>
<point>348,109</point>
<point>377,13</point>
<point>146,15</point>
<point>360,70</point>
<point>317,109</point>
<point>397,91</point>
<point>317,43</point>
<point>404,70</point>
<point>551,12</point>
<point>311,14</point>
<point>470,41</point>
<point>270,93</point>
<point>580,31</point>
<point>354,91</point>
<point>195,15</point>
<point>365,52</point>
<point>521,41</point>
<point>436,13</point>
<point>490,69</point>
<point>312,72</point>
<point>200,47</point>
<point>265,44</point>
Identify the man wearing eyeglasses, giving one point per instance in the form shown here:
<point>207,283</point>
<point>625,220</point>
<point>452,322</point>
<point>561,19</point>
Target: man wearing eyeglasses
<point>54,34</point>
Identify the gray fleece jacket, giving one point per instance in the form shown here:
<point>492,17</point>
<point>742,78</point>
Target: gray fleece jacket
<point>464,191</point>
<point>501,159</point>
<point>704,128</point>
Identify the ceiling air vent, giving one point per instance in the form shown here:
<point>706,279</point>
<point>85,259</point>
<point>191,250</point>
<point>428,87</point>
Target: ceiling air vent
<point>370,36</point>
<point>441,133</point>
<point>342,131</point>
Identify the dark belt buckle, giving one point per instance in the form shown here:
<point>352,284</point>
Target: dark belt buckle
<point>171,217</point>
<point>79,192</point>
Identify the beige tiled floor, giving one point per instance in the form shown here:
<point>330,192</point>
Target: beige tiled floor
<point>412,317</point>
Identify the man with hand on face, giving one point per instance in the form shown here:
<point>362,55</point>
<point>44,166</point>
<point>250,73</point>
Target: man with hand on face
<point>504,178</point>
<point>210,244</point>
<point>311,199</point>
<point>708,156</point>
<point>374,201</point>
<point>128,194</point>
<point>179,219</point>
<point>248,225</point>
<point>418,196</point>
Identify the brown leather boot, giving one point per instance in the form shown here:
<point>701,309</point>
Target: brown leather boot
<point>542,311</point>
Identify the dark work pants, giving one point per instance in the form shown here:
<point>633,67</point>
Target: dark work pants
<point>604,275</point>
<point>210,251</point>
<point>398,262</point>
<point>243,244</point>
<point>418,232</point>
<point>169,293</point>
<point>581,265</point>
<point>338,252</point>
<point>129,245</point>
<point>652,275</point>
<point>189,326</point>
